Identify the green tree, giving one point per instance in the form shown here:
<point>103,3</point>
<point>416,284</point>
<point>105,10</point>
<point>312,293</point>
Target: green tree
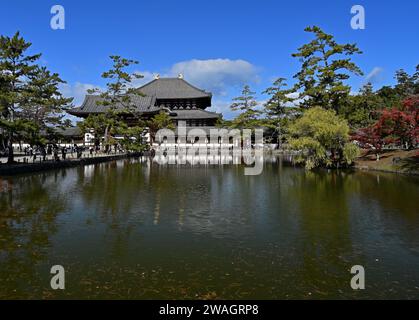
<point>160,121</point>
<point>44,104</point>
<point>132,137</point>
<point>361,109</point>
<point>277,109</point>
<point>324,70</point>
<point>222,123</point>
<point>407,85</point>
<point>249,117</point>
<point>323,139</point>
<point>96,124</point>
<point>118,100</point>
<point>29,95</point>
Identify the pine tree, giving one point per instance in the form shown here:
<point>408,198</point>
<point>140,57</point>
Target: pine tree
<point>29,96</point>
<point>117,100</point>
<point>324,70</point>
<point>249,118</point>
<point>277,108</point>
<point>44,104</point>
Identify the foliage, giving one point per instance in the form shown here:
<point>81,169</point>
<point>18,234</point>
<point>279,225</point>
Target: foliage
<point>117,101</point>
<point>222,123</point>
<point>278,108</point>
<point>350,152</point>
<point>361,109</point>
<point>407,85</point>
<point>249,118</point>
<point>322,137</point>
<point>324,70</point>
<point>370,138</point>
<point>119,93</point>
<point>160,121</point>
<point>132,138</point>
<point>29,97</point>
<point>395,126</point>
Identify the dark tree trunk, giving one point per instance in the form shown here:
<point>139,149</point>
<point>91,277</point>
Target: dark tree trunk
<point>10,154</point>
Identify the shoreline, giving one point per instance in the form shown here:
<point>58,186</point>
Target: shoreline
<point>24,168</point>
<point>395,171</point>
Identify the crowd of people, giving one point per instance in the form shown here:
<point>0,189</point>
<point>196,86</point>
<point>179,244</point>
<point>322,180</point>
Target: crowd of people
<point>56,152</point>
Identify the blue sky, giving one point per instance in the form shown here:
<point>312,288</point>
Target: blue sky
<point>218,45</point>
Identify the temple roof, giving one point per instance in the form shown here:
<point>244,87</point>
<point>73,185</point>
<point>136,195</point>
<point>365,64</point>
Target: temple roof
<point>91,104</point>
<point>70,132</point>
<point>176,90</point>
<point>173,88</point>
<point>185,114</point>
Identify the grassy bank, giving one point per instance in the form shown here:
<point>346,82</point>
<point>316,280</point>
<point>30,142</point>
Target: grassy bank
<point>397,161</point>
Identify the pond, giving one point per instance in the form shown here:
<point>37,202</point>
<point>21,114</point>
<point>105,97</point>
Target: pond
<point>138,230</point>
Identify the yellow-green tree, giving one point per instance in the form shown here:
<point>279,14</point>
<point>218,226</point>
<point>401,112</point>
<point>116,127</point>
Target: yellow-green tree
<point>322,137</point>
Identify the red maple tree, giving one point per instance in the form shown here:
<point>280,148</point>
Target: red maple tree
<point>397,127</point>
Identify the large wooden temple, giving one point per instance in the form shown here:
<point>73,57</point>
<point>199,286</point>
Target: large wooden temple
<point>184,103</point>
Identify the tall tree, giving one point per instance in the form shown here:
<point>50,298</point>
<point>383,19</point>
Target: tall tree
<point>15,68</point>
<point>44,103</point>
<point>324,70</point>
<point>249,118</point>
<point>277,108</point>
<point>118,99</point>
<point>407,85</point>
<point>25,90</point>
<point>362,108</point>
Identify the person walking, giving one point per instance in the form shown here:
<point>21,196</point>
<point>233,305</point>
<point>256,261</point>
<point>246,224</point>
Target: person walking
<point>63,152</point>
<point>43,153</point>
<point>56,157</point>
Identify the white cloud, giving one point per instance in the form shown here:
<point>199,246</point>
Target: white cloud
<point>77,91</point>
<point>147,77</point>
<point>216,75</point>
<point>375,75</point>
<point>220,106</point>
<point>223,106</point>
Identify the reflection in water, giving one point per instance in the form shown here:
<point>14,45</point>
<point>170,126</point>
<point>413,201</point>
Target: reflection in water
<point>29,207</point>
<point>135,229</point>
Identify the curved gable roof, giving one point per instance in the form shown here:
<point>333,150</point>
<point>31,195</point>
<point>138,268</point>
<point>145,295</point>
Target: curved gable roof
<point>173,88</point>
<point>91,104</point>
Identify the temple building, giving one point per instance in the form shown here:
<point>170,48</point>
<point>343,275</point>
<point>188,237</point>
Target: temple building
<point>185,104</point>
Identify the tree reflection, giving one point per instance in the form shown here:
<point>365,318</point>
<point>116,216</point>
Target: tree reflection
<point>29,207</point>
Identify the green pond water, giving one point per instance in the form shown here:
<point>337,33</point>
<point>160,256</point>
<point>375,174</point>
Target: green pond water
<point>134,229</point>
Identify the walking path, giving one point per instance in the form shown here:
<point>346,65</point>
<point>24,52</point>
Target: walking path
<point>72,161</point>
<point>20,158</point>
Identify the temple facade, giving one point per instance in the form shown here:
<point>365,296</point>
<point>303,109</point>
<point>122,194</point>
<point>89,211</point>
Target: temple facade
<point>185,104</point>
